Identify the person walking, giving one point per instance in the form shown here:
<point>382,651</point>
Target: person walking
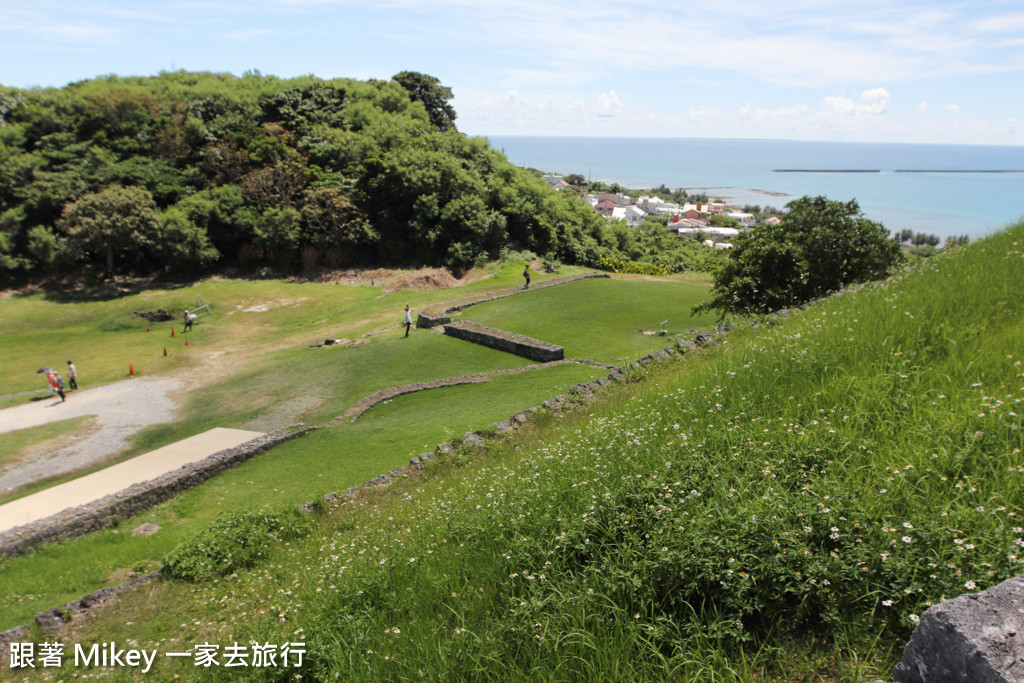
<point>59,385</point>
<point>72,376</point>
<point>526,274</point>
<point>53,382</point>
<point>408,320</point>
<point>188,321</point>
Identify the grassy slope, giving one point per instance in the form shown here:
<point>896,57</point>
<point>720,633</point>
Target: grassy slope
<point>580,319</point>
<point>781,507</point>
<point>102,337</point>
<point>291,384</point>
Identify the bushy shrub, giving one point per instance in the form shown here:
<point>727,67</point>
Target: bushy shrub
<point>550,263</point>
<point>233,541</point>
<point>618,265</point>
<point>508,255</point>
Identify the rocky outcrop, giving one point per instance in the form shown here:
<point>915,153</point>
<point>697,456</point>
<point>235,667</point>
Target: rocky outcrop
<point>975,638</point>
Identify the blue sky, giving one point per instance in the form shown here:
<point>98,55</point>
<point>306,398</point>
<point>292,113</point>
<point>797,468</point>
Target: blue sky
<point>871,70</point>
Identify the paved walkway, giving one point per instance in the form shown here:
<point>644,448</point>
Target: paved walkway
<point>120,476</point>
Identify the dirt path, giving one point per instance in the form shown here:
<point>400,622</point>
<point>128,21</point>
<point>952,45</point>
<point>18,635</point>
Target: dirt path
<point>121,409</point>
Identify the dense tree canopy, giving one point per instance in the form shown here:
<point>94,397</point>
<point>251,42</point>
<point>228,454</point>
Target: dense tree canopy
<point>820,246</point>
<point>198,171</point>
<point>434,97</point>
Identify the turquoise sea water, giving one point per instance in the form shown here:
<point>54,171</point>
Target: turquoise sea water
<point>962,194</point>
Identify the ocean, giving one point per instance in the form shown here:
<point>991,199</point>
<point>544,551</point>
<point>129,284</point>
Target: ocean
<point>941,189</point>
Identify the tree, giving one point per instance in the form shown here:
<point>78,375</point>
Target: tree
<point>333,221</point>
<point>433,95</point>
<point>719,221</point>
<point>184,244</point>
<point>277,185</point>
<point>819,247</point>
<point>118,220</point>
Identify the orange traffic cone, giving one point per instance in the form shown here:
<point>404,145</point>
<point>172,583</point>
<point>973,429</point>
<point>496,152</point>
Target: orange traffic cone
<point>165,351</point>
<point>147,327</point>
<point>186,342</point>
<point>131,370</point>
<point>172,330</point>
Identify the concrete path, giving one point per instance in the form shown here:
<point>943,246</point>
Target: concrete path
<point>120,476</point>
<point>121,409</point>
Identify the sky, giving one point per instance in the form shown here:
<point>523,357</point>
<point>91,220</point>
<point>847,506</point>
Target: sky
<point>930,71</point>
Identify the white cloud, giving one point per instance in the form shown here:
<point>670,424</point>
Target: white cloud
<point>874,102</point>
<point>751,113</point>
<point>952,108</point>
<point>1006,23</point>
<point>608,104</point>
<point>247,35</point>
<point>81,33</point>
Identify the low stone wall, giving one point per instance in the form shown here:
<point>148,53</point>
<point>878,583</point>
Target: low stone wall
<point>439,314</point>
<point>576,394</point>
<point>510,342</point>
<point>109,510</point>
<point>356,411</point>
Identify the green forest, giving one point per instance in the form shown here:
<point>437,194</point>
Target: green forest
<point>190,173</point>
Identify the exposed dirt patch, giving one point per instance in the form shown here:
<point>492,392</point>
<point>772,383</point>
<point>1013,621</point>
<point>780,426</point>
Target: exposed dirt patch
<point>45,449</point>
<point>391,281</point>
<point>421,281</point>
<point>284,413</point>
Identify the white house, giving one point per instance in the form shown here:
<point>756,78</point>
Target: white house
<point>744,219</point>
<point>633,215</point>
<point>656,206</point>
<point>708,230</point>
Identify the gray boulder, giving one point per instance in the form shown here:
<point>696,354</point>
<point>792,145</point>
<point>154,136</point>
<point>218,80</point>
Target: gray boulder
<point>977,637</point>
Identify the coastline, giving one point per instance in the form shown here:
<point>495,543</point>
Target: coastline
<point>912,186</point>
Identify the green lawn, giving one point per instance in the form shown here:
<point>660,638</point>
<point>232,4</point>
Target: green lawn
<point>602,320</point>
<point>103,337</point>
<point>280,387</point>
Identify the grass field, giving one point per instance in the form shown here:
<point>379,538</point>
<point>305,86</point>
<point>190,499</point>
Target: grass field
<point>600,320</point>
<point>782,507</point>
<point>267,384</point>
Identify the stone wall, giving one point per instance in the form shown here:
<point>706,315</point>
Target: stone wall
<point>109,510</point>
<point>576,394</point>
<point>439,314</point>
<point>356,411</point>
<point>509,342</point>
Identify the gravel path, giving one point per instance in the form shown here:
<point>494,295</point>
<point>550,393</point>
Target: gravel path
<point>121,409</point>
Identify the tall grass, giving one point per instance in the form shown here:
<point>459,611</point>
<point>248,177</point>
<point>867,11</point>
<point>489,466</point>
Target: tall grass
<point>781,507</point>
<point>826,478</point>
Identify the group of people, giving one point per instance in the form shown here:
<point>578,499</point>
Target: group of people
<point>57,385</point>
